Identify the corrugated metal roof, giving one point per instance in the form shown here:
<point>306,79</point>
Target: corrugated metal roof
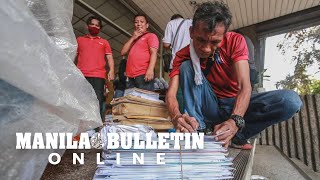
<point>245,13</point>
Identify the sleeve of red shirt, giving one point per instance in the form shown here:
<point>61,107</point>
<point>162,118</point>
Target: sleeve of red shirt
<point>107,48</point>
<point>182,55</point>
<point>153,41</point>
<point>239,48</point>
<point>175,66</point>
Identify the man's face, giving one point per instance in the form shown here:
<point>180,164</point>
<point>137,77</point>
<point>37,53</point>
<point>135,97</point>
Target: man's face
<point>95,23</point>
<point>140,24</point>
<point>204,42</point>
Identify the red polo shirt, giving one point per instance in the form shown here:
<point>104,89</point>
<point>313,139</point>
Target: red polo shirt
<point>139,55</point>
<point>222,77</point>
<point>91,56</point>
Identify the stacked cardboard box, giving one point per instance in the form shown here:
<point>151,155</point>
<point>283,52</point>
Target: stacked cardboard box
<point>141,107</point>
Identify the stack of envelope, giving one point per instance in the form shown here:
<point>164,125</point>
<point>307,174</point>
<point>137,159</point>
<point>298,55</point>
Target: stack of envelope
<point>141,107</point>
<point>208,163</point>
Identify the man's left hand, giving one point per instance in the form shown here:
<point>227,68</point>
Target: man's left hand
<point>149,75</point>
<point>225,126</point>
<point>111,75</point>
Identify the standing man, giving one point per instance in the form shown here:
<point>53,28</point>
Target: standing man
<point>91,54</point>
<point>175,39</point>
<point>142,50</point>
<point>214,75</point>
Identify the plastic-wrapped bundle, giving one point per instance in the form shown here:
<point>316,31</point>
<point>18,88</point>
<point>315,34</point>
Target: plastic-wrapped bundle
<point>165,84</point>
<point>156,86</point>
<point>118,128</point>
<point>160,84</point>
<point>41,90</point>
<point>156,83</point>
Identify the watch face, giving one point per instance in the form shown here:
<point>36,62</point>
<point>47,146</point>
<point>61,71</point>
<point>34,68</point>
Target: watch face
<point>239,121</point>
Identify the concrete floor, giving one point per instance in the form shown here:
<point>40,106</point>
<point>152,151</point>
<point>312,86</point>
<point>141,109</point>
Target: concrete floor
<point>269,162</point>
<point>65,170</point>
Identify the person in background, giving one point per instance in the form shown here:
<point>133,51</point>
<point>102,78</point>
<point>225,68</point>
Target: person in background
<point>254,75</point>
<point>213,72</point>
<point>119,88</point>
<point>175,39</point>
<point>141,50</point>
<point>119,84</point>
<point>91,54</point>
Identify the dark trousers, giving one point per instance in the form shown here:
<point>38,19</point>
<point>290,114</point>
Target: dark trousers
<point>140,83</point>
<point>98,86</point>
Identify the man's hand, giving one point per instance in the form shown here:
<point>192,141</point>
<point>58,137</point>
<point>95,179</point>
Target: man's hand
<point>226,137</point>
<point>111,75</point>
<point>184,123</point>
<point>149,75</point>
<point>136,34</point>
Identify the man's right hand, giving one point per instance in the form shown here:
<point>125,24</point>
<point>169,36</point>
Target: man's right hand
<point>184,123</point>
<point>136,34</point>
<point>229,127</point>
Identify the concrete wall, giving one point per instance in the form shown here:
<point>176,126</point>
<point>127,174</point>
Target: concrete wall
<point>299,136</point>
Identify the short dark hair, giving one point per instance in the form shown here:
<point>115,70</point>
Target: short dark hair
<point>212,13</point>
<point>176,16</point>
<point>143,15</point>
<point>94,17</point>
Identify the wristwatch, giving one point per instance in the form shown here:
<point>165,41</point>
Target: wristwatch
<point>240,123</point>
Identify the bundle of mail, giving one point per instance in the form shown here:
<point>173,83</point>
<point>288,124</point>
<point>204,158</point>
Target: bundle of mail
<point>208,163</point>
<point>141,107</point>
<point>160,84</point>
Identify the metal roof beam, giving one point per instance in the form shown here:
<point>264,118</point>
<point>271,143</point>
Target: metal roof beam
<point>105,19</point>
<point>135,10</point>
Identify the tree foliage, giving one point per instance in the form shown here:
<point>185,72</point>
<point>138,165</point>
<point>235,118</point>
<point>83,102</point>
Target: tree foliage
<point>304,47</point>
<point>315,87</point>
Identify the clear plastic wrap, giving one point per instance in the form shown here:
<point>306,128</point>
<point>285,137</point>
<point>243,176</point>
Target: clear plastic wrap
<point>41,90</point>
<point>118,128</point>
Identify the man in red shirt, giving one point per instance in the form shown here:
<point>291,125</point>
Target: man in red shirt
<point>213,73</point>
<point>90,59</point>
<point>142,50</point>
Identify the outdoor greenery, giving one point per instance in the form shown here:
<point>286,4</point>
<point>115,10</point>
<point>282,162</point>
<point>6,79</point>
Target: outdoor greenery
<point>305,44</point>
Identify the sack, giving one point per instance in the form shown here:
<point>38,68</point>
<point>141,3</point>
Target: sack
<point>167,56</point>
